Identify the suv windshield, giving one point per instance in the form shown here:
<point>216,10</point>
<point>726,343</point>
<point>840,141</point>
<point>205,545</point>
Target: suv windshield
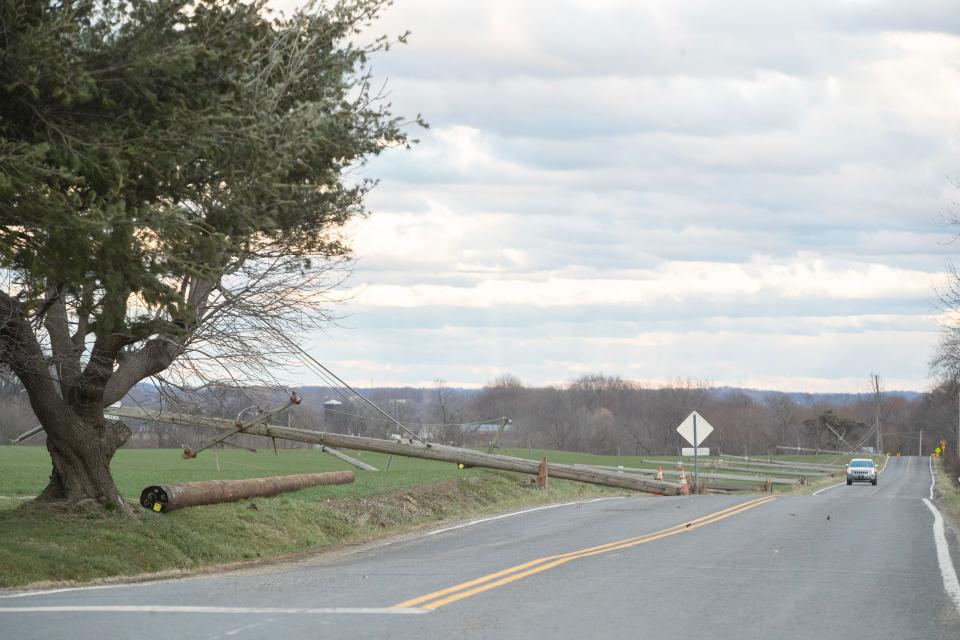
<point>861,463</point>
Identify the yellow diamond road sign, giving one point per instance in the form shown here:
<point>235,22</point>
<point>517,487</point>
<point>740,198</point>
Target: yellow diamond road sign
<point>703,429</point>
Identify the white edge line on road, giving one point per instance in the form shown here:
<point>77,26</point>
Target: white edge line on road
<point>840,484</point>
<point>819,491</point>
<point>950,583</point>
<point>45,592</point>
<point>227,610</point>
<point>247,627</point>
<point>517,513</point>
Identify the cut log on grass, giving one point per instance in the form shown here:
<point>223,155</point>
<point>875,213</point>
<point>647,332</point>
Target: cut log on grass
<point>167,497</point>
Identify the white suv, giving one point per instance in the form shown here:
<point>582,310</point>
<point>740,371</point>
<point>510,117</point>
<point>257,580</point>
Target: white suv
<point>861,470</point>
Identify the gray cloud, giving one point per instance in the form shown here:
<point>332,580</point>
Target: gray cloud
<point>501,39</point>
<point>802,148</point>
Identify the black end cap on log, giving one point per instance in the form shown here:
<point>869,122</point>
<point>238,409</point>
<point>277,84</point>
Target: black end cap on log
<point>154,498</point>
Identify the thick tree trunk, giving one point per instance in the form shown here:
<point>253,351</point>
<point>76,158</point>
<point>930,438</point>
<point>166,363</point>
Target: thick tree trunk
<point>68,403</point>
<point>81,456</point>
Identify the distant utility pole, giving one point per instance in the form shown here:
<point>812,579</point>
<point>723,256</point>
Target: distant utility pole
<point>876,396</point>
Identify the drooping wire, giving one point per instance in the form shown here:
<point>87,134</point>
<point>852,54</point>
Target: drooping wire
<point>417,424</point>
<point>325,373</point>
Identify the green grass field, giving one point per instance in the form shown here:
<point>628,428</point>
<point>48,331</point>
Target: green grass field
<point>24,470</point>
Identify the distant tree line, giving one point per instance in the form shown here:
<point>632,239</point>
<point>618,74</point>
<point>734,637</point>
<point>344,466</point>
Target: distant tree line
<point>604,414</point>
<point>593,413</point>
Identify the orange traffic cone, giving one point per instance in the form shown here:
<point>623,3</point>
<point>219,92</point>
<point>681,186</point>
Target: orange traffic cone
<point>684,487</point>
<point>659,472</point>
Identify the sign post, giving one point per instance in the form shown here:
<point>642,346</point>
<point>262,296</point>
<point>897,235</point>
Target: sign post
<point>696,451</point>
<point>695,430</point>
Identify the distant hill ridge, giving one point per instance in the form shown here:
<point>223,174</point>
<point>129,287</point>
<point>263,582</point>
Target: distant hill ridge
<point>811,398</point>
<point>315,392</point>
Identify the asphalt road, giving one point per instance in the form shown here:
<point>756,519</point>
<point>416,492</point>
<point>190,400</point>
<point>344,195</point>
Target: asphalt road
<point>852,562</point>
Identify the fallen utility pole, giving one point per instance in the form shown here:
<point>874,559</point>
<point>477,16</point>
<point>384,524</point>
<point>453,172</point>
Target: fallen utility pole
<point>833,452</point>
<point>796,466</point>
<point>799,449</point>
<point>777,471</point>
<point>782,463</point>
<point>26,434</point>
<point>415,449</point>
<point>363,466</point>
<point>710,476</point>
<point>167,497</point>
<point>237,446</point>
<point>733,465</point>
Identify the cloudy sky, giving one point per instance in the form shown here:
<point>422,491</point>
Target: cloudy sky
<point>748,193</point>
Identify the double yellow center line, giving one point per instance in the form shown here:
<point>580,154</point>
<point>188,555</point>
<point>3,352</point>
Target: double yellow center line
<point>470,588</point>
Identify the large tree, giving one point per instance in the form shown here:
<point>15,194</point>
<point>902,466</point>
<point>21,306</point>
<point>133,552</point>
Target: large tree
<point>174,179</point>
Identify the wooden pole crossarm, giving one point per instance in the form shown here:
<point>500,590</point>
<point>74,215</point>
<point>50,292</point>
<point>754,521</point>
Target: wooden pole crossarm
<point>241,428</point>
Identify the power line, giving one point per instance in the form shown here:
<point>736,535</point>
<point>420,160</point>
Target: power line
<point>417,424</point>
<point>331,374</point>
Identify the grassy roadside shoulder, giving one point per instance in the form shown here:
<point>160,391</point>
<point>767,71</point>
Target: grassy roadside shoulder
<point>810,487</point>
<point>42,547</point>
<point>946,495</point>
